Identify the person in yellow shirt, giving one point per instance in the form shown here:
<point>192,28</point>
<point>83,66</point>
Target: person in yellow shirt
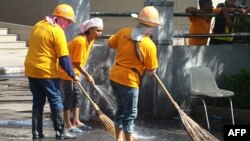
<point>201,24</point>
<point>47,45</point>
<point>79,49</point>
<point>136,53</point>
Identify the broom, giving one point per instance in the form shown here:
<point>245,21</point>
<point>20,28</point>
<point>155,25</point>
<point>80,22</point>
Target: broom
<point>196,132</point>
<point>106,121</point>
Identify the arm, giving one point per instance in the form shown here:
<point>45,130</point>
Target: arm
<point>150,72</point>
<point>87,76</point>
<point>240,9</point>
<point>66,65</point>
<point>194,10</point>
<point>226,11</point>
<point>245,8</point>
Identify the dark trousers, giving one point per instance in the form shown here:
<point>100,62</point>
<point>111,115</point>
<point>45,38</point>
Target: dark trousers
<point>42,88</point>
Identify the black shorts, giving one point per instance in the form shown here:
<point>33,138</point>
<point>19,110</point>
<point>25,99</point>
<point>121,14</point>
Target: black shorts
<point>70,94</point>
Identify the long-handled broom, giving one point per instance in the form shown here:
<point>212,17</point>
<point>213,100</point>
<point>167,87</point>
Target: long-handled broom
<point>106,121</point>
<point>196,132</point>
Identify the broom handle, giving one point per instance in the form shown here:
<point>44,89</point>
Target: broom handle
<point>87,95</point>
<point>166,91</point>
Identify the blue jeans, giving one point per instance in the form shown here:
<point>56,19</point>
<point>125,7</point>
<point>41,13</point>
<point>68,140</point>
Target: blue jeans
<point>42,88</point>
<point>127,100</point>
<point>71,93</point>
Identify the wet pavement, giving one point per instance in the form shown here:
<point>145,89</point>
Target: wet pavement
<point>15,120</point>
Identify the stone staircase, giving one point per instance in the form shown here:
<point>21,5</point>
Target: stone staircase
<point>10,40</point>
<point>12,53</point>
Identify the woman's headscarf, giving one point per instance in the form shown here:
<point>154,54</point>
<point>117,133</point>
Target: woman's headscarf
<point>94,22</point>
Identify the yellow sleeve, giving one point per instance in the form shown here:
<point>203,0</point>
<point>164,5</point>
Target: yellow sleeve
<point>61,43</point>
<point>79,51</point>
<point>112,41</point>
<point>151,60</point>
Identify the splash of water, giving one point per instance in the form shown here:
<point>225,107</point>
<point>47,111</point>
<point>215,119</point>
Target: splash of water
<point>25,122</point>
<point>108,98</point>
<point>139,136</point>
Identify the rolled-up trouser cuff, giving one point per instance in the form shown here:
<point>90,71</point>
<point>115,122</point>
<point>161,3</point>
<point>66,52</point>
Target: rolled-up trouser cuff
<point>128,129</point>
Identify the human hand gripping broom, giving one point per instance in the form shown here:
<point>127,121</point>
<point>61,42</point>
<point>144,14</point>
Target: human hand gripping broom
<point>196,132</point>
<point>106,121</point>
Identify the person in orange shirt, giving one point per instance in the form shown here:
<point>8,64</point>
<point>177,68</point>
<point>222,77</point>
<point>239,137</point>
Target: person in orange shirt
<point>201,24</point>
<point>136,53</point>
<point>47,48</point>
<point>79,49</point>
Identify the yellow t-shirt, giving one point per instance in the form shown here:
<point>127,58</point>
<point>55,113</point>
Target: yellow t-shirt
<point>47,42</point>
<point>126,58</point>
<point>79,50</point>
<point>199,25</point>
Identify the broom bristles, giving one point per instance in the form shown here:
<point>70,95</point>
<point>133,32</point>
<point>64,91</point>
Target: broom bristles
<point>195,131</point>
<point>107,123</point>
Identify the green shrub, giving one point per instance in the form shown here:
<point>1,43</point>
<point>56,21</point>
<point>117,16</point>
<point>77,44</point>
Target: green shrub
<point>241,26</point>
<point>240,85</point>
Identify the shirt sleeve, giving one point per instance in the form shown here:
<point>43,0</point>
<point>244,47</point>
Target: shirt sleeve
<point>151,60</point>
<point>66,65</point>
<point>79,51</point>
<point>114,39</point>
<point>61,47</point>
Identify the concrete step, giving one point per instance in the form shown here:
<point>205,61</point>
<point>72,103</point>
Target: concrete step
<point>12,53</point>
<point>3,31</point>
<point>14,44</point>
<point>8,38</point>
<point>12,60</point>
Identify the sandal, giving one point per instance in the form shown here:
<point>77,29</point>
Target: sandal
<point>85,127</point>
<point>75,130</point>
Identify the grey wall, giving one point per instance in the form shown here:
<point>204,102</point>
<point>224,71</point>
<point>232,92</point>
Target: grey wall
<point>28,12</point>
<point>223,60</point>
<point>25,12</point>
<point>162,36</point>
<point>175,63</point>
<point>31,11</point>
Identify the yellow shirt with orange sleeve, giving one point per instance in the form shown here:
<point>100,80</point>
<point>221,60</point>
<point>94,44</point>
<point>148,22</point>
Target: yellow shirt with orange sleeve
<point>47,42</point>
<point>125,59</point>
<point>79,50</point>
<point>200,25</point>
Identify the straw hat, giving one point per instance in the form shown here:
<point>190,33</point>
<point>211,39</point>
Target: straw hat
<point>148,16</point>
